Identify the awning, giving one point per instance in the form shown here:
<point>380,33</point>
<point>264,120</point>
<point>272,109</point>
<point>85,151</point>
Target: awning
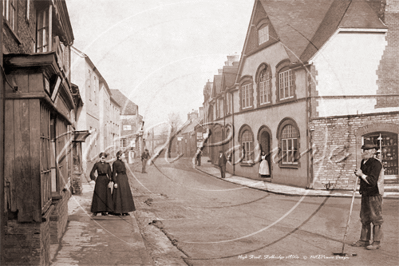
<point>80,136</point>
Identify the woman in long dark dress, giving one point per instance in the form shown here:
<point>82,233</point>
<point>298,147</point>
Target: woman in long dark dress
<point>122,195</point>
<point>102,197</point>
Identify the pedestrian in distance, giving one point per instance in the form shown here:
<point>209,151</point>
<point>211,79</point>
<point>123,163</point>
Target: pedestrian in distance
<point>264,166</point>
<point>144,158</point>
<point>222,164</point>
<point>102,197</point>
<point>371,202</point>
<point>199,153</point>
<point>122,195</point>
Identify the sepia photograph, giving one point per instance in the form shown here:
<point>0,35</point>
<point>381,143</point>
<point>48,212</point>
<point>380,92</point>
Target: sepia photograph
<point>199,132</point>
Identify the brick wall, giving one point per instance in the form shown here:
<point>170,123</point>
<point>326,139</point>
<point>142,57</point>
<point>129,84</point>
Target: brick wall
<point>388,81</point>
<point>337,141</point>
<point>59,217</point>
<point>24,33</point>
<point>28,243</point>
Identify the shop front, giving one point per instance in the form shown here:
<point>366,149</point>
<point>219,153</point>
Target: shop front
<point>388,147</point>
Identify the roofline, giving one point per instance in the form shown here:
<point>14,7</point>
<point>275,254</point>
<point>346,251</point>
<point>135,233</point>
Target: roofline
<point>242,58</point>
<point>114,101</point>
<point>95,69</point>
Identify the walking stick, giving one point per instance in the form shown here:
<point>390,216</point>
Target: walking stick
<point>347,225</point>
<point>349,220</point>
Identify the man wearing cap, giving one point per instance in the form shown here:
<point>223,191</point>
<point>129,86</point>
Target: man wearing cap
<point>371,204</point>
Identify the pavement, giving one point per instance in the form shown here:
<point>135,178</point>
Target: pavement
<point>117,240</point>
<point>257,183</point>
<point>98,240</point>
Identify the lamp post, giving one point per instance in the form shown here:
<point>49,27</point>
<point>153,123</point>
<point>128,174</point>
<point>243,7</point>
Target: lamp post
<point>141,133</point>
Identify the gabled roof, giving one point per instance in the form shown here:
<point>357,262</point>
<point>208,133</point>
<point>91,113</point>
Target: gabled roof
<point>91,64</point>
<point>229,76</point>
<point>217,85</point>
<point>127,106</point>
<point>191,127</point>
<point>304,26</point>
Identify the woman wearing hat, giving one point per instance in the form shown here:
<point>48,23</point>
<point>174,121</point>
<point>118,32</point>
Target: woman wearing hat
<point>122,195</point>
<point>102,197</point>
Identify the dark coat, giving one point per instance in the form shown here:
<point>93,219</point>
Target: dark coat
<point>122,196</point>
<point>372,169</point>
<point>222,160</point>
<point>102,197</point>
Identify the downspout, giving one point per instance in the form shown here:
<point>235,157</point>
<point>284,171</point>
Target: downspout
<point>233,141</point>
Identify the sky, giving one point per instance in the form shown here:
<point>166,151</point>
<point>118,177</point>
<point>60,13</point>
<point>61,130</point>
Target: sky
<point>160,53</point>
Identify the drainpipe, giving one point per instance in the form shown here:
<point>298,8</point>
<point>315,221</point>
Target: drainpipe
<point>233,141</point>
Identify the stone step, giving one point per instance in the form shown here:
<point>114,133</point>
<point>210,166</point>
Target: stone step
<point>391,187</point>
<point>391,180</point>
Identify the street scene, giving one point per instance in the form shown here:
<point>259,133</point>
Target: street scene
<point>199,132</point>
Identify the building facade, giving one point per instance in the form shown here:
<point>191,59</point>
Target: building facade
<point>131,123</point>
<point>309,90</point>
<point>40,119</point>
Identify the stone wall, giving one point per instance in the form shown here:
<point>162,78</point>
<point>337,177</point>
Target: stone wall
<point>336,143</point>
<point>28,243</point>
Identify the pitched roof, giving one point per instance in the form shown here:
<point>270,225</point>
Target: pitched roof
<point>127,106</point>
<point>296,22</point>
<point>344,15</point>
<point>217,85</point>
<point>191,127</point>
<point>303,26</point>
<point>229,76</point>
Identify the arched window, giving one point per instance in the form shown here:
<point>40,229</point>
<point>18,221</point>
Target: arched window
<point>264,86</point>
<point>289,144</point>
<point>247,143</point>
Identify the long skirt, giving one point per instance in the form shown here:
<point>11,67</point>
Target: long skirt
<point>122,195</point>
<point>264,168</point>
<point>102,197</point>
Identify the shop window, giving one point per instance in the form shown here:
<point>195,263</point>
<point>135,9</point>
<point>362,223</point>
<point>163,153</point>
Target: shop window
<point>388,143</point>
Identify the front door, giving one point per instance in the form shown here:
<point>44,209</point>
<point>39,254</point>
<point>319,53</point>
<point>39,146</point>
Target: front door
<point>264,142</point>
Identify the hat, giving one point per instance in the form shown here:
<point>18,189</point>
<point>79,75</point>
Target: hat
<point>369,144</point>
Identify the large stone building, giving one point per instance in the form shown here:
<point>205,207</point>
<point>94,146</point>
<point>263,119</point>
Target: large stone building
<point>315,79</point>
<point>40,123</point>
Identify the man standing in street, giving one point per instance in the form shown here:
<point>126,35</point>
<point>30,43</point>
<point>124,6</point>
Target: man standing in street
<point>144,158</point>
<point>222,164</point>
<point>199,153</point>
<point>371,204</point>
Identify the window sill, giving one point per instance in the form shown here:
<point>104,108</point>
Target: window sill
<point>12,32</point>
<point>289,166</point>
<point>247,164</point>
